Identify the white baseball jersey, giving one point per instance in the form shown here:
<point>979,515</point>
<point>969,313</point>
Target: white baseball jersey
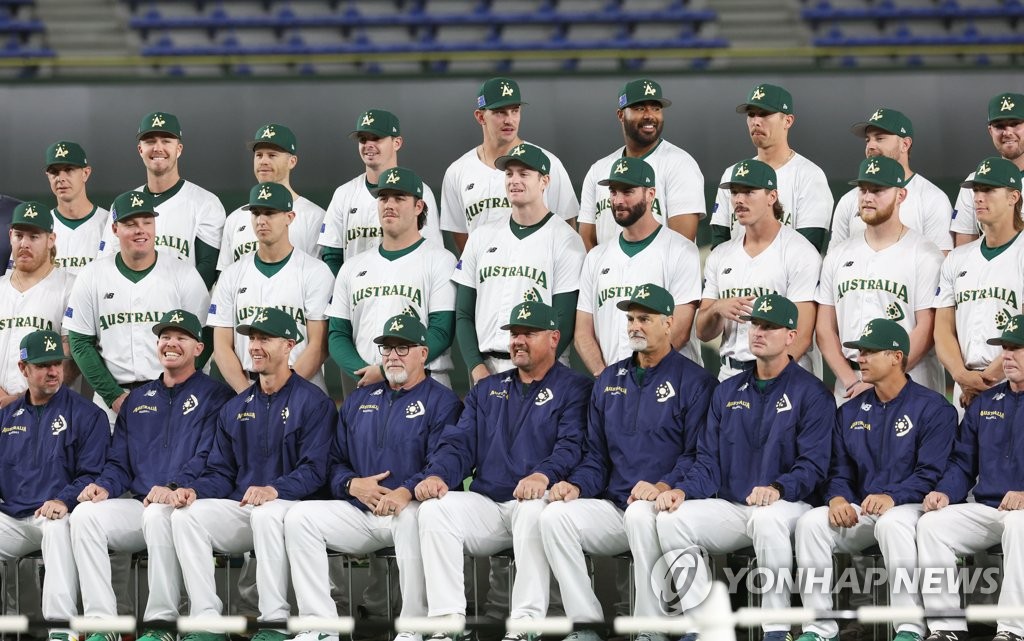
<point>964,219</point>
<point>240,239</point>
<point>106,304</point>
<point>474,193</point>
<point>352,222</point>
<point>789,266</point>
<point>678,185</point>
<point>370,289</point>
<point>984,294</point>
<point>21,313</point>
<point>506,270</point>
<point>187,212</point>
<point>78,241</point>
<point>895,283</point>
<point>926,210</point>
<point>803,191</point>
<point>302,288</point>
<point>610,275</point>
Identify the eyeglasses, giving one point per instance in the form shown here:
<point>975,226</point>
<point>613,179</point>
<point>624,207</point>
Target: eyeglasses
<point>401,350</point>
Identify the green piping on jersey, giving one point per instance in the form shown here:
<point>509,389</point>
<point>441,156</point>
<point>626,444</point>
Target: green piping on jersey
<point>270,269</point>
<point>632,248</point>
<point>395,254</point>
<point>73,223</point>
<point>522,231</point>
<point>131,274</point>
<point>991,252</point>
<point>166,195</point>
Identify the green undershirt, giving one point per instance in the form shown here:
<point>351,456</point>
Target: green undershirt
<point>271,269</point>
<point>991,252</point>
<point>633,247</point>
<point>523,231</point>
<point>73,223</point>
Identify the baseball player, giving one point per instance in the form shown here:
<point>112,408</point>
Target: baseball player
<point>769,258</point>
<point>273,158</point>
<point>194,223</point>
<point>352,225</point>
<point>981,284</point>
<point>925,209</point>
<point>985,463</point>
<point>645,415</point>
<point>116,300</point>
<point>679,189</point>
<point>52,444</point>
<point>32,293</point>
<point>386,433</point>
<point>522,430</point>
<point>270,450</point>
<point>644,252</point>
<point>889,450</point>
<point>1006,128</point>
<point>473,191</point>
<point>275,275</point>
<point>803,189</point>
<point>161,441</point>
<point>530,255</point>
<point>762,455</point>
<point>890,271</point>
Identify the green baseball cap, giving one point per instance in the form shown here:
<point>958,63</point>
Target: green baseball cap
<point>378,122</point>
<point>752,173</point>
<point>643,90</point>
<point>399,179</point>
<point>40,347</point>
<point>533,314</point>
<point>180,319</point>
<point>890,120</point>
<point>881,334</point>
<point>880,171</point>
<point>1006,106</point>
<point>527,154</point>
<point>774,309</point>
<point>269,196</point>
<point>159,122</point>
<point>650,297</point>
<point>274,135</point>
<point>32,214</point>
<point>65,152</point>
<point>630,171</point>
<point>995,172</point>
<point>497,93</point>
<point>405,328</point>
<point>770,98</point>
<point>133,203</point>
<point>272,322</point>
<point>1013,333</point>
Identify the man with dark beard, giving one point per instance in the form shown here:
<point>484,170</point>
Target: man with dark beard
<point>679,203</point>
<point>645,252</point>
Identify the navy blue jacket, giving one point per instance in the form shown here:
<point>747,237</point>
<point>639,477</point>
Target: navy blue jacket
<point>782,435</point>
<point>643,432</point>
<point>381,429</point>
<point>163,435</point>
<point>899,448</point>
<point>50,452</point>
<point>281,440</point>
<point>507,432</point>
<point>988,449</point>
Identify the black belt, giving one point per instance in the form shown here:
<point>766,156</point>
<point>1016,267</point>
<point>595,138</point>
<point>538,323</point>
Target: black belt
<point>132,385</point>
<point>854,364</point>
<point>737,364</point>
<point>505,356</point>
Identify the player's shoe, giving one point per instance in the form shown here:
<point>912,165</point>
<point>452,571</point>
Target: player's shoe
<point>103,636</point>
<point>406,636</point>
<point>62,634</point>
<point>157,635</point>
<point>583,635</point>
<point>311,635</point>
<point>651,636</point>
<point>778,635</point>
<point>811,636</point>
<point>690,636</point>
<point>204,636</point>
<point>270,635</point>
<point>910,636</point>
<point>520,636</point>
<point>1004,635</point>
<point>948,635</point>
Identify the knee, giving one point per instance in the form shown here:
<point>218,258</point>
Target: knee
<point>56,529</point>
<point>530,511</point>
<point>157,515</point>
<point>268,517</point>
<point>409,516</point>
<point>433,515</point>
<point>891,527</point>
<point>931,527</point>
<point>1013,523</point>
<point>299,517</point>
<point>674,529</point>
<point>555,519</point>
<point>765,521</point>
<point>813,525</point>
<point>86,517</point>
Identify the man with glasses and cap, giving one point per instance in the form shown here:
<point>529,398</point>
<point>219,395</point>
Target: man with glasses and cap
<point>386,433</point>
<point>889,451</point>
<point>162,438</point>
<point>52,444</point>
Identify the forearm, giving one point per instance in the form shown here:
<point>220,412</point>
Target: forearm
<point>343,348</point>
<point>89,361</point>
<point>565,311</point>
<point>334,257</point>
<point>586,344</point>
<point>465,326</point>
<point>227,361</point>
<point>440,333</point>
<point>206,262</point>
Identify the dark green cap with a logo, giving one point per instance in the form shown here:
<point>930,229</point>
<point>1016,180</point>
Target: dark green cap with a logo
<point>888,120</point>
<point>881,334</point>
<point>404,328</point>
<point>752,173</point>
<point>65,152</point>
<point>40,347</point>
<point>272,322</point>
<point>771,98</point>
<point>159,122</point>
<point>274,135</point>
<point>532,314</point>
<point>643,90</point>
<point>399,179</point>
<point>880,170</point>
<point>651,297</point>
<point>630,171</point>
<point>32,214</point>
<point>1006,106</point>
<point>497,93</point>
<point>995,172</point>
<point>1013,333</point>
<point>269,196</point>
<point>527,154</point>
<point>180,319</point>
<point>773,309</point>
<point>378,122</point>
<point>133,203</point>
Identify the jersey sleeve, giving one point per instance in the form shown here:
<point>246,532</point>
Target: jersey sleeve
<point>929,264</point>
<point>721,215</point>
<point>964,220</point>
<point>442,292</point>
<point>452,218</point>
<point>569,255</point>
<point>803,268</point>
<point>222,308</point>
<point>814,202</point>
<point>711,273</point>
<point>227,242</point>
<point>332,231</point>
<point>210,221</point>
<point>944,294</point>
<point>432,228</point>
<point>69,284</point>
<point>192,293</point>
<point>937,215</point>
<point>684,187</point>
<point>339,305</point>
<point>588,197</point>
<point>466,267</point>
<point>80,314</point>
<point>319,285</point>
<point>304,232</point>
<point>585,302</point>
<point>684,282</point>
<point>825,294</point>
<point>845,211</point>
<point>561,197</point>
<point>108,241</point>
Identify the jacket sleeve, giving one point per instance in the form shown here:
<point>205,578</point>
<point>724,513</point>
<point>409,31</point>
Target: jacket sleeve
<point>813,447</point>
<point>340,466</point>
<point>962,469</point>
<point>571,432</point>
<point>453,459</point>
<point>446,418</point>
<point>693,419</point>
<point>591,475</point>
<point>194,466</point>
<point>116,475</point>
<point>86,453</point>
<point>842,470</point>
<point>218,477</point>
<point>932,455</point>
<point>310,470</point>
<point>704,477</point>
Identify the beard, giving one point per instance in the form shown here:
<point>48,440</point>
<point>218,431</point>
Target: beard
<point>629,216</point>
<point>396,376</point>
<point>637,343</point>
<point>635,135</point>
<point>880,215</point>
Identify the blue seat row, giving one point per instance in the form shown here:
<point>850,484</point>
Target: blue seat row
<point>888,10</point>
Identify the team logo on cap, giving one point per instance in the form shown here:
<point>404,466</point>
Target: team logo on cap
<point>136,201</point>
<point>261,317</point>
<point>519,150</point>
<point>1006,105</point>
<point>415,409</point>
<point>189,405</point>
<point>742,170</point>
<point>765,306</point>
<point>649,90</point>
<point>641,293</point>
<point>1011,326</point>
<point>875,116</point>
<point>367,119</point>
<point>264,194</point>
<point>49,345</point>
<point>393,177</point>
<point>58,425</point>
<point>621,168</point>
<point>396,325</point>
<point>758,94</point>
<point>872,168</point>
<point>867,330</point>
<point>506,90</point>
<point>61,151</point>
<point>903,425</point>
<point>177,318</point>
<point>544,396</point>
<point>664,392</point>
<point>158,121</point>
<point>984,169</point>
<point>268,132</point>
<point>30,211</point>
<point>524,313</point>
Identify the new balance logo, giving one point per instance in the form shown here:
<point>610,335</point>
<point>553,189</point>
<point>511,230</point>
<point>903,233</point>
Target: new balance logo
<point>361,274</point>
<point>491,250</point>
<point>108,295</point>
<point>848,264</point>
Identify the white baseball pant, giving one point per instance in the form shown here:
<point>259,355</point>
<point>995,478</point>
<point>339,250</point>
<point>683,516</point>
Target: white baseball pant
<point>19,537</point>
<point>895,534</point>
